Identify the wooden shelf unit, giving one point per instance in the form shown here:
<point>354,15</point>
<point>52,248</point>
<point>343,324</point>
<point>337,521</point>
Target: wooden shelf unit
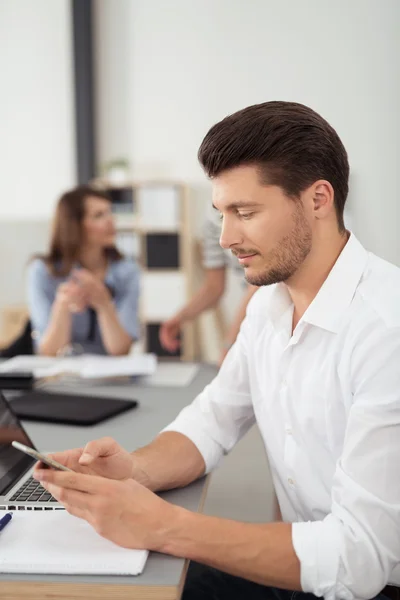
<point>158,216</point>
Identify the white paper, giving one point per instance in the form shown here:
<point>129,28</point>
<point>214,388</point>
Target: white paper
<point>113,366</point>
<point>172,374</point>
<point>87,366</point>
<point>56,542</point>
<point>27,363</point>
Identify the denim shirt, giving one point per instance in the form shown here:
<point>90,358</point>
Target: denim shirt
<point>122,278</point>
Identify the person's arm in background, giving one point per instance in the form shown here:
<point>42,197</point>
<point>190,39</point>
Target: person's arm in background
<point>234,328</point>
<point>58,331</point>
<point>214,262</point>
<point>117,341</point>
<point>118,321</point>
<point>206,297</point>
<point>50,315</point>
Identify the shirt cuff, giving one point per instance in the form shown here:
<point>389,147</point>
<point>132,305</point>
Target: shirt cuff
<point>210,450</point>
<point>317,546</point>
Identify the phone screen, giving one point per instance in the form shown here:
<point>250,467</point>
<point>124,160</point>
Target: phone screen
<point>12,462</point>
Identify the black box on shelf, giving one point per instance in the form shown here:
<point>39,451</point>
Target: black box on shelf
<point>122,199</point>
<point>153,341</point>
<point>162,251</point>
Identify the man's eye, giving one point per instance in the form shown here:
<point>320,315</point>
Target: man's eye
<point>247,215</point>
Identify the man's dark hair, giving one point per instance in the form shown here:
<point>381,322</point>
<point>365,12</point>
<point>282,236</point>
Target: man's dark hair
<point>291,144</point>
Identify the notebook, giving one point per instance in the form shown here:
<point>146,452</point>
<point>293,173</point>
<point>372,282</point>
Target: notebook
<point>57,407</point>
<point>88,366</point>
<point>58,543</point>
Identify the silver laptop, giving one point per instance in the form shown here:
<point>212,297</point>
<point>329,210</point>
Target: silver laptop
<point>18,490</point>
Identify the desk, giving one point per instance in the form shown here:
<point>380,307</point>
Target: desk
<point>163,576</point>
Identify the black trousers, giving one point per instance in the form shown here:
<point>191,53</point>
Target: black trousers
<point>205,583</point>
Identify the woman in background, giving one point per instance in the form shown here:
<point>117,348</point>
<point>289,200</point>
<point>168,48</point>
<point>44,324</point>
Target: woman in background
<point>83,293</point>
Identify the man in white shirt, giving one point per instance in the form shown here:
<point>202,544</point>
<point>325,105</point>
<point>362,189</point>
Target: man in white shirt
<point>316,365</point>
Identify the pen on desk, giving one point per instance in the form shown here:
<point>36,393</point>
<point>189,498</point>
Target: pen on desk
<point>6,519</point>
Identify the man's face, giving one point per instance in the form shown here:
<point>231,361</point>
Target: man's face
<point>268,232</point>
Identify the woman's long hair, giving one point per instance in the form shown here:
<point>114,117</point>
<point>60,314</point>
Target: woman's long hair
<point>66,237</point>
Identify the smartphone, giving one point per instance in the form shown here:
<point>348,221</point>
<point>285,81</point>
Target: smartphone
<point>46,460</point>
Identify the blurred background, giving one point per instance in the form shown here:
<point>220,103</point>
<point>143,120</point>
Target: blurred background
<point>126,89</point>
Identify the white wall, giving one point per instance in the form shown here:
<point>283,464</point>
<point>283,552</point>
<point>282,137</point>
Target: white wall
<point>114,92</point>
<point>37,152</point>
<point>188,64</point>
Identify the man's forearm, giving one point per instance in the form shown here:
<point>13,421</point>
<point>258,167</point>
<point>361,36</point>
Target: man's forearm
<point>170,461</point>
<point>206,297</point>
<point>262,553</point>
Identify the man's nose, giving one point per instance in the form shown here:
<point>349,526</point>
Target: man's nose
<point>230,235</point>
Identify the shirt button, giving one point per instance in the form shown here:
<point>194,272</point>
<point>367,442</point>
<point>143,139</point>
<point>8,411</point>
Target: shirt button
<point>289,430</point>
<point>290,481</point>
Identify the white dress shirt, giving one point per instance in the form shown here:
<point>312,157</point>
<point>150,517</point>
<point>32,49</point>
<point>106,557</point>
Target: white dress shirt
<point>327,402</point>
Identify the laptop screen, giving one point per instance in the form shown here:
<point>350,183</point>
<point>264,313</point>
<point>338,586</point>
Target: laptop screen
<point>13,463</point>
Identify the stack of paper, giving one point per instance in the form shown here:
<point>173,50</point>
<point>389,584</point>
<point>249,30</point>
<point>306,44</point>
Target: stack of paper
<point>172,374</point>
<point>87,366</point>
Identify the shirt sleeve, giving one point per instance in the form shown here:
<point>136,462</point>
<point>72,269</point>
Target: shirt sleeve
<point>213,255</point>
<point>353,552</point>
<point>40,294</point>
<point>127,299</point>
<point>223,412</point>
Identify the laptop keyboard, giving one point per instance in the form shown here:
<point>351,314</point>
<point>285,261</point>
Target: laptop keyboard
<point>32,491</point>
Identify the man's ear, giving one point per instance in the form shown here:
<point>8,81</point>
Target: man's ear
<point>323,199</point>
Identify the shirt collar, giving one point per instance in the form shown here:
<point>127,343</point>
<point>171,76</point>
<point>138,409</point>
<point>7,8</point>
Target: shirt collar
<point>335,295</point>
<point>280,301</point>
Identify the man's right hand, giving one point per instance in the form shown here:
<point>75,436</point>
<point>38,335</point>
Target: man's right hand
<point>169,334</point>
<point>102,457</point>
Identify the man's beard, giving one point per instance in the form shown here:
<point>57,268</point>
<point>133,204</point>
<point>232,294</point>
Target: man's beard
<point>289,254</point>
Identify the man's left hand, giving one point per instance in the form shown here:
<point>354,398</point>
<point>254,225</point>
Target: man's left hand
<point>124,512</point>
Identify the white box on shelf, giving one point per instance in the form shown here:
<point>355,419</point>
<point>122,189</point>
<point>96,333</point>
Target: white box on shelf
<point>163,293</point>
<point>126,221</point>
<point>128,242</point>
<point>159,206</point>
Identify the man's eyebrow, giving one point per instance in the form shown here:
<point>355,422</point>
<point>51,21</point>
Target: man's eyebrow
<point>240,204</point>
